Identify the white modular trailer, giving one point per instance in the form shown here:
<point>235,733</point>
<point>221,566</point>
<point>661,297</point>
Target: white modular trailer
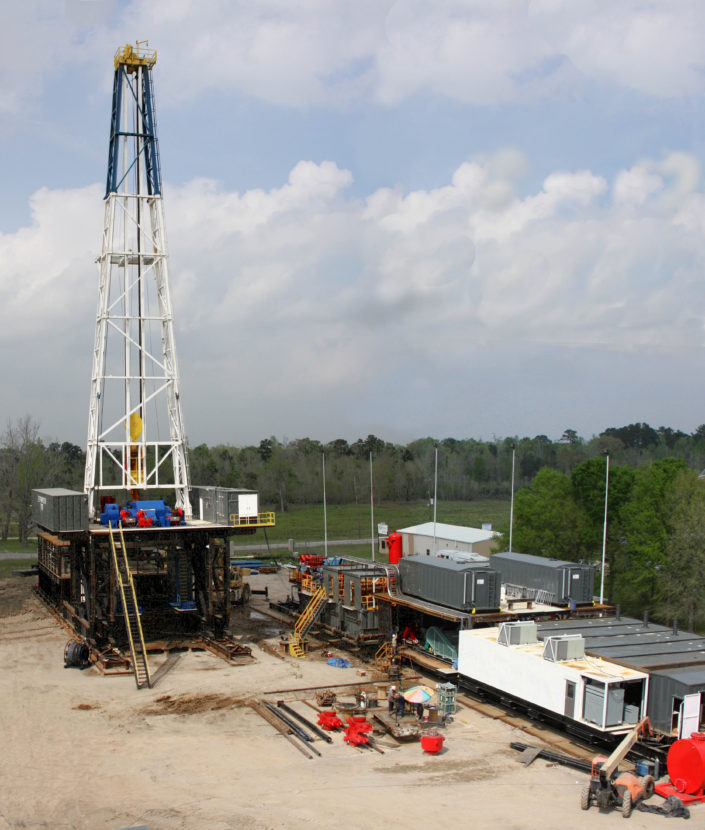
<point>585,690</point>
<point>432,537</point>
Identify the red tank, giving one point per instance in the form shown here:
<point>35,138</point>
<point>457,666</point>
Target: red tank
<point>394,547</point>
<point>686,764</point>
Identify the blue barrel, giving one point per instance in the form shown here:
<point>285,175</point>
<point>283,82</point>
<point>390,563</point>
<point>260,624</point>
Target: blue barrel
<point>643,768</point>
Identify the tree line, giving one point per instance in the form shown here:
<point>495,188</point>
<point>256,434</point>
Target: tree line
<point>290,472</point>
<point>655,543</point>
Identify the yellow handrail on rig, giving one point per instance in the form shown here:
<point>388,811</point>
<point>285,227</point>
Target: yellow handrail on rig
<point>134,56</point>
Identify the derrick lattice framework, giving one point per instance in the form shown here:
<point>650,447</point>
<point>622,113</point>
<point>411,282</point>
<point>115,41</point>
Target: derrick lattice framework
<point>136,437</point>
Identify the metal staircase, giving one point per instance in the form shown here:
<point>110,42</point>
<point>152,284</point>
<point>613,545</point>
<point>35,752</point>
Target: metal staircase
<point>383,656</point>
<point>130,609</point>
<point>308,617</point>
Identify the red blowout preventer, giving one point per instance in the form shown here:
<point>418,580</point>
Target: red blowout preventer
<point>329,721</point>
<point>394,547</point>
<point>356,731</point>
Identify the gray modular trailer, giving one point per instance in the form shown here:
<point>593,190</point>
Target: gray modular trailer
<point>464,585</point>
<point>57,509</point>
<point>667,688</point>
<point>561,581</point>
<point>219,504</point>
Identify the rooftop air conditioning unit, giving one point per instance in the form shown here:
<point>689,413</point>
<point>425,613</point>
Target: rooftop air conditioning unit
<point>566,647</point>
<point>517,634</point>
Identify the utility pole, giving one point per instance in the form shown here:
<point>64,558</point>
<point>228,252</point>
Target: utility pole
<point>604,529</point>
<point>511,504</point>
<point>435,496</point>
<point>372,512</point>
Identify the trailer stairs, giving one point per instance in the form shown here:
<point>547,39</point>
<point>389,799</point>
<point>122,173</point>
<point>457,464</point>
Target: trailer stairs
<point>308,617</point>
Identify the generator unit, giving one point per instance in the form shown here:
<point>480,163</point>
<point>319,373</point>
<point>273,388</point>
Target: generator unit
<point>553,581</point>
<point>455,582</point>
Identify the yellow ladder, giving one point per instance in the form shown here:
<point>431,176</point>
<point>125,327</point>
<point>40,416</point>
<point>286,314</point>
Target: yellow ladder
<point>308,617</point>
<point>383,655</point>
<point>296,646</point>
<point>130,610</point>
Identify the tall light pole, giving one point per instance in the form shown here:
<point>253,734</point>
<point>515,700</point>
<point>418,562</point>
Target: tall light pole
<point>325,515</point>
<point>372,512</point>
<point>604,529</point>
<point>435,497</point>
<point>511,503</point>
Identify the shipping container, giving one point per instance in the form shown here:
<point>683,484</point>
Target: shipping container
<point>222,505</point>
<point>559,581</point>
<point>463,585</point>
<point>57,509</point>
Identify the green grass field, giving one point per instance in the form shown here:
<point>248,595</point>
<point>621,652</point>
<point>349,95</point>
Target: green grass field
<point>13,546</point>
<point>9,565</point>
<point>350,521</point>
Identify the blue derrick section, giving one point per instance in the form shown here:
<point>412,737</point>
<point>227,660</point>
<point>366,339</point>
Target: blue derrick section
<point>150,147</point>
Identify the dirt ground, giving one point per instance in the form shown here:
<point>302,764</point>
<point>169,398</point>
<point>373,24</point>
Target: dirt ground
<point>87,752</point>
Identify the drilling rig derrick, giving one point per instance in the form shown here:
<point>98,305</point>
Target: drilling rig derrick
<point>136,437</point>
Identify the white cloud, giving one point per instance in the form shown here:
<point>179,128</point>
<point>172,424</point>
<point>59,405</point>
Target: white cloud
<point>47,270</point>
<point>651,47</point>
<point>334,53</point>
<point>318,294</point>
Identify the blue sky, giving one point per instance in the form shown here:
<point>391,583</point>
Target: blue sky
<point>450,218</point>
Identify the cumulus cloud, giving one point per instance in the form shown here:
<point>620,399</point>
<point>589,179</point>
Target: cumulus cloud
<point>47,273</point>
<point>335,53</point>
<point>317,293</point>
<point>641,45</point>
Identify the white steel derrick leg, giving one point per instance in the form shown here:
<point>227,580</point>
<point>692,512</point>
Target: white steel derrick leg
<point>131,282</point>
<point>99,349</point>
<point>176,424</point>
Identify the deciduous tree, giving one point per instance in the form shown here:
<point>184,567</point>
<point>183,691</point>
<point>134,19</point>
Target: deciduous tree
<point>547,520</point>
<point>682,583</point>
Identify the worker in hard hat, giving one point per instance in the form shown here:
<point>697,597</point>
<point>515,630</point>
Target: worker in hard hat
<point>391,698</point>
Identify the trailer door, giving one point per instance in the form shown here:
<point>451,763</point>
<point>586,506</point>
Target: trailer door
<point>569,706</point>
<point>689,717</point>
